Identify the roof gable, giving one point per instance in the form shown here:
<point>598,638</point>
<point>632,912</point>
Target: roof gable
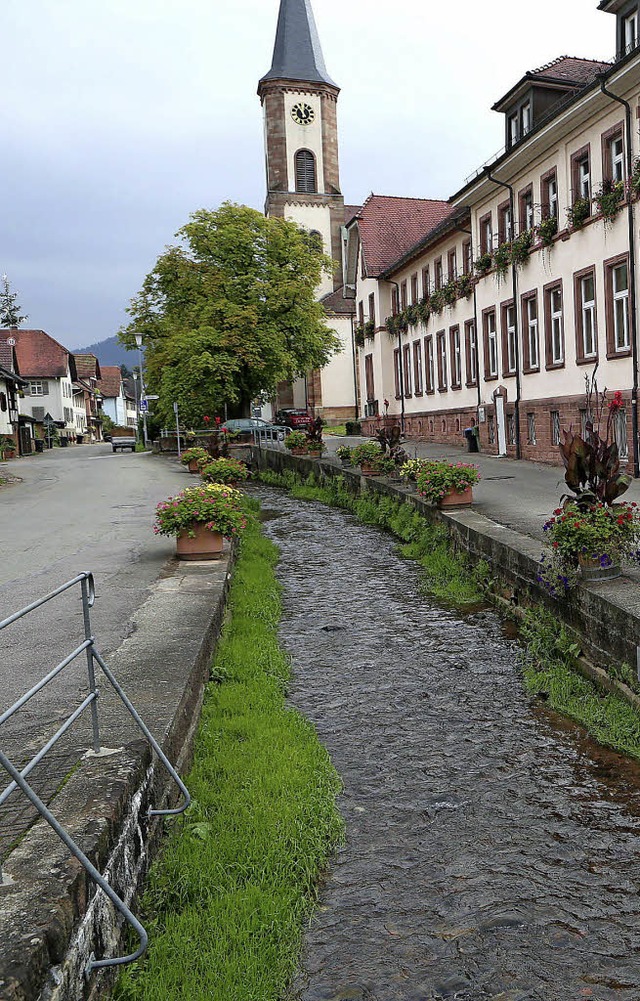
<point>297,54</point>
<point>110,384</point>
<point>39,355</point>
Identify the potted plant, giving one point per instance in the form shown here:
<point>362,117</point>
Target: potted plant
<point>608,199</point>
<point>590,542</point>
<point>447,484</point>
<point>366,456</point>
<point>344,453</point>
<point>409,470</point>
<point>296,442</point>
<point>7,447</point>
<point>195,458</point>
<point>314,443</point>
<point>547,230</point>
<point>521,247</point>
<point>579,212</point>
<point>502,260</point>
<point>370,330</point>
<point>483,264</point>
<point>225,471</point>
<point>200,518</point>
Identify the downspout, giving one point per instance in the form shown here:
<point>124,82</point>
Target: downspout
<point>355,363</point>
<point>514,285</point>
<point>469,232</point>
<point>401,365</point>
<point>632,279</point>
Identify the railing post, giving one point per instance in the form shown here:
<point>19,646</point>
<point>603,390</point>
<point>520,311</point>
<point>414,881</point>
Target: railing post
<point>87,602</point>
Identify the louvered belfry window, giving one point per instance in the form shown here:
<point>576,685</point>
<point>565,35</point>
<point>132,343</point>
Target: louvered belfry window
<point>305,171</point>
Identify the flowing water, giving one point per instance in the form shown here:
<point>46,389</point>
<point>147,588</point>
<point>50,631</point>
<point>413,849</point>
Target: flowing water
<point>492,850</point>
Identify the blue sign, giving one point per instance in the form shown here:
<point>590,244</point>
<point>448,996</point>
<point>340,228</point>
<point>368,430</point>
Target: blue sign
<point>144,406</point>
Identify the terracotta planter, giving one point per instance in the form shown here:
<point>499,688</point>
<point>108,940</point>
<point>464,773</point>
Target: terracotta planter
<point>591,571</point>
<point>455,499</point>
<point>193,466</point>
<point>368,470</point>
<point>205,545</point>
<point>298,451</point>
<point>315,455</point>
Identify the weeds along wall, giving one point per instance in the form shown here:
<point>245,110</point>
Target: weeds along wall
<point>605,619</point>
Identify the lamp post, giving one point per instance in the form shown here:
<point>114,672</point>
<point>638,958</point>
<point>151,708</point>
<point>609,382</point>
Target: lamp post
<point>138,338</point>
<point>137,399</point>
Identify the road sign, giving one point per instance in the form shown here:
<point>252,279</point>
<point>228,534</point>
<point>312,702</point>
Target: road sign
<point>151,396</point>
<point>175,409</point>
<point>144,406</point>
<point>11,341</point>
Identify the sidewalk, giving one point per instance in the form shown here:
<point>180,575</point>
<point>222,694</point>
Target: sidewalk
<point>520,495</point>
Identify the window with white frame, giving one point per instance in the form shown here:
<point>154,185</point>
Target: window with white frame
<point>406,369</point>
<point>513,129</point>
<point>531,428</point>
<point>430,364</point>
<point>471,344</point>
<point>38,387</point>
<point>397,373</point>
<point>417,367</point>
<point>552,196</point>
<point>616,159</point>
<point>555,427</point>
<point>555,325</point>
<point>492,345</point>
<point>584,178</point>
<point>588,344</point>
<point>531,320</point>
<point>630,31</point>
<point>525,118</point>
<point>442,360</point>
<point>620,294</point>
<point>526,218</point>
<point>510,338</point>
<point>456,358</point>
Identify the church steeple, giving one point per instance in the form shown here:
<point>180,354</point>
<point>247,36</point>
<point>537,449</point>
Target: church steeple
<point>297,54</point>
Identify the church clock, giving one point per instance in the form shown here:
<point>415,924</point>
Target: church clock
<point>302,113</point>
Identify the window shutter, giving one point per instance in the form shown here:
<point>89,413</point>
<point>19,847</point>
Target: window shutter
<point>45,387</point>
<point>305,171</point>
<point>37,413</point>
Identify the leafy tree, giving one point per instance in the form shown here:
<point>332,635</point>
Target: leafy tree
<point>10,315</point>
<point>230,313</point>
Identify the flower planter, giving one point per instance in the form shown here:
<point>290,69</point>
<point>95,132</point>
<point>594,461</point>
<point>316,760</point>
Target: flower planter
<point>193,466</point>
<point>368,470</point>
<point>456,499</point>
<point>315,454</point>
<point>592,571</point>
<point>205,545</point>
<point>298,451</point>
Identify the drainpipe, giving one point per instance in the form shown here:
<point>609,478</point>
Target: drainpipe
<point>632,279</point>
<point>355,363</point>
<point>514,284</point>
<point>401,365</point>
<point>469,232</point>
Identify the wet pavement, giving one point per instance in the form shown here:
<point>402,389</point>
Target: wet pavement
<point>491,848</point>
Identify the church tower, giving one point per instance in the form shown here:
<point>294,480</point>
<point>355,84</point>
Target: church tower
<point>299,100</point>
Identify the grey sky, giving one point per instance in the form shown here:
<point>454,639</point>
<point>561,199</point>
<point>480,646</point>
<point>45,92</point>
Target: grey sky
<point>123,116</point>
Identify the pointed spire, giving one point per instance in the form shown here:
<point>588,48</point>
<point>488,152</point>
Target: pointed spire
<point>297,54</point>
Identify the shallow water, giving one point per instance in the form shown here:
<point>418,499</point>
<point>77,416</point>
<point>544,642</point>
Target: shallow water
<point>492,849</point>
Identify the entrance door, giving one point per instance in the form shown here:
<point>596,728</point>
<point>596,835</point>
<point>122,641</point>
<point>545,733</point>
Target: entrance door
<point>502,425</point>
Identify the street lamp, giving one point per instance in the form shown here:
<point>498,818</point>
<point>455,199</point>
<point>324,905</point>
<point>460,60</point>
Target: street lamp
<point>137,399</point>
<point>138,338</point>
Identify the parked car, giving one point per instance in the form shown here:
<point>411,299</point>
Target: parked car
<point>294,417</point>
<point>247,425</point>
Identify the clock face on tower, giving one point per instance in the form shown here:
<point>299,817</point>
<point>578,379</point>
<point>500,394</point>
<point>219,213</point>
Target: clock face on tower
<point>302,114</point>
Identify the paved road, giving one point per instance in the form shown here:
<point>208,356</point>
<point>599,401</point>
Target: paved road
<point>80,508</point>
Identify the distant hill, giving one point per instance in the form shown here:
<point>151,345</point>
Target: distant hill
<point>110,352</point>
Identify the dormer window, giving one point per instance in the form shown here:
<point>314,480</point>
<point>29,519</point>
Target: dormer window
<point>513,130</point>
<point>630,31</point>
<point>525,118</point>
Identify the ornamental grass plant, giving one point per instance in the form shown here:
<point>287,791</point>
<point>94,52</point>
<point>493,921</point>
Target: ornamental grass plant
<point>437,478</point>
<point>217,506</point>
<point>224,471</point>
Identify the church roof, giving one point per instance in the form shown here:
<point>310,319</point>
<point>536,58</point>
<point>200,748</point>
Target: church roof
<point>391,226</point>
<point>297,54</point>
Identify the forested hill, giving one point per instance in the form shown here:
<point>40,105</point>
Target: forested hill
<point>110,352</point>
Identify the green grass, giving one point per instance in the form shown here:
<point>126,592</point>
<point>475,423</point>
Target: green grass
<point>339,429</point>
<point>237,877</point>
<point>449,575</point>
<point>549,668</point>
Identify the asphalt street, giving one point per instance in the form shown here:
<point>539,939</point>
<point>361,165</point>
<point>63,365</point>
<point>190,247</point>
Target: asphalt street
<point>74,509</point>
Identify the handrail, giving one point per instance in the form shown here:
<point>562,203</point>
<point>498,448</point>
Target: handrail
<point>90,701</point>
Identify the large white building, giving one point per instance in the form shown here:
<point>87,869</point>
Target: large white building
<point>528,281</point>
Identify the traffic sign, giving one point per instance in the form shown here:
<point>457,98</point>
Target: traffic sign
<point>144,406</point>
<point>150,396</point>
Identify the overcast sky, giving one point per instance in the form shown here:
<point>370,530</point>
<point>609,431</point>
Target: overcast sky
<point>123,116</point>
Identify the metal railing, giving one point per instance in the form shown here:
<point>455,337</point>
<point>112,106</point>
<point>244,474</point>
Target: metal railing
<point>273,435</point>
<point>19,776</point>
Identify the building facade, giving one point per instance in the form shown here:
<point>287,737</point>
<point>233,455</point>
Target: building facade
<point>501,311</point>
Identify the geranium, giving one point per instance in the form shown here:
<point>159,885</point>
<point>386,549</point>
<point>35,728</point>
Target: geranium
<point>437,478</point>
<point>217,506</point>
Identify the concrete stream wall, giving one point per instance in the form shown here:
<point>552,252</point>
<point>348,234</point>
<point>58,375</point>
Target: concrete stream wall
<point>604,617</point>
<point>50,917</point>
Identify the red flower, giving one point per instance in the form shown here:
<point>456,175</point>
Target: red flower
<point>558,510</point>
<point>206,419</point>
<point>217,420</point>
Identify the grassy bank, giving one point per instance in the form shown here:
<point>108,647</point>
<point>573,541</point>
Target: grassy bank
<point>449,576</point>
<point>227,900</point>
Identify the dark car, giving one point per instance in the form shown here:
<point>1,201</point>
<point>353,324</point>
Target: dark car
<point>294,417</point>
<point>247,425</point>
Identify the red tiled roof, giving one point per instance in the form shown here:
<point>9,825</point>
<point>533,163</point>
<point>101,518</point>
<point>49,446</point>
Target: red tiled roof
<point>109,384</point>
<point>571,70</point>
<point>350,211</point>
<point>39,356</point>
<point>87,366</point>
<point>390,226</point>
<point>336,303</point>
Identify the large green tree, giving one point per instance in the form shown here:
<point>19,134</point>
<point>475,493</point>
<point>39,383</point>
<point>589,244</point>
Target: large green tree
<point>230,312</point>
